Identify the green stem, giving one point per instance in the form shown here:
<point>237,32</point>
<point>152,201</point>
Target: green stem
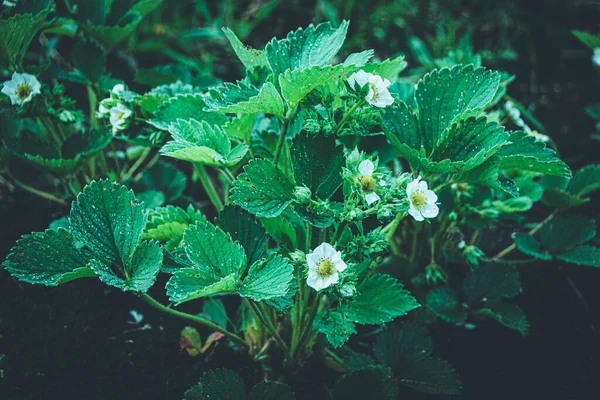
<point>339,232</point>
<point>150,164</point>
<point>392,226</point>
<point>266,321</point>
<point>280,143</point>
<point>531,233</point>
<point>193,318</point>
<point>228,175</point>
<point>209,187</point>
<point>137,164</point>
<point>93,100</point>
<point>38,192</point>
<point>348,115</point>
<point>307,328</point>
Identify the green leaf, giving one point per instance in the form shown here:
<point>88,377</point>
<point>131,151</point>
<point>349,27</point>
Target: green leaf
<point>380,299</point>
<point>262,189</point>
<point>582,255</point>
<point>487,174</point>
<point>388,69</point>
<point>523,152</point>
<point>199,142</point>
<point>216,258</point>
<point>108,221</point>
<point>528,245</point>
<point>271,391</point>
<point>167,224</point>
<point>492,281</point>
<point>561,199</point>
<point>89,59</point>
<point>151,199</point>
<point>335,326</point>
<point>589,39</point>
<point>296,84</point>
<point>421,52</point>
<point>267,279</point>
<point>110,36</point>
<point>359,59</point>
<point>317,163</point>
<point>218,384</point>
<point>305,48</point>
<point>567,231</point>
<point>444,303</point>
<point>282,231</point>
<point>442,95</point>
<point>251,58</point>
<point>246,230</point>
<point>585,181</point>
<point>245,99</point>
<point>432,376</point>
<point>16,34</point>
<point>374,382</point>
<point>509,315</point>
<point>166,178</point>
<point>49,258</point>
<point>186,107</point>
<point>140,276</point>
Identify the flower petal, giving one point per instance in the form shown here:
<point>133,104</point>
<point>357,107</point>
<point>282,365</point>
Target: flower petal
<point>430,210</point>
<point>416,214</point>
<point>372,198</point>
<point>366,167</point>
<point>430,196</point>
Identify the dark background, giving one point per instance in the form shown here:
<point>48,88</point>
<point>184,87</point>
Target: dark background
<point>75,341</point>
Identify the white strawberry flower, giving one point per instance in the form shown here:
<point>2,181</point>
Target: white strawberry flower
<point>596,57</point>
<point>421,200</point>
<point>540,137</point>
<point>119,117</point>
<point>366,168</point>
<point>117,89</point>
<point>21,88</point>
<point>324,266</point>
<point>379,95</point>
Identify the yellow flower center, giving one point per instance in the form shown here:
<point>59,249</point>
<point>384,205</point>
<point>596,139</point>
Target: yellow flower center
<point>418,199</point>
<point>23,91</point>
<point>367,183</point>
<point>374,88</point>
<point>119,116</point>
<point>159,29</point>
<point>325,268</point>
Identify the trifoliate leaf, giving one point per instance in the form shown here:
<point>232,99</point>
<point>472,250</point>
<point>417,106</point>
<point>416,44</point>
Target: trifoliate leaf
<point>374,382</point>
<point>562,200</point>
<point>186,107</point>
<point>445,94</point>
<point>528,245</point>
<point>267,279</point>
<point>525,153</point>
<point>582,255</point>
<point>585,181</point>
<point>271,391</point>
<point>251,58</point>
<point>140,276</point>
<point>107,219</point>
<point>262,189</point>
<point>48,258</point>
<point>380,299</point>
<point>509,315</point>
<point>317,163</point>
<point>296,84</point>
<point>199,142</point>
<point>388,69</point>
<point>166,178</point>
<point>567,231</point>
<point>218,384</point>
<point>245,99</point>
<point>167,224</point>
<point>335,326</point>
<point>444,303</point>
<point>305,48</point>
<point>244,228</point>
<point>492,281</point>
<point>216,258</point>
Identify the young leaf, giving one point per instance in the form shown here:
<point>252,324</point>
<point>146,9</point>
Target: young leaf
<point>492,281</point>
<point>267,279</point>
<point>262,189</point>
<point>335,326</point>
<point>245,99</point>
<point>444,303</point>
<point>49,258</point>
<point>507,314</point>
<point>296,84</point>
<point>186,107</point>
<point>167,224</point>
<point>374,382</point>
<point>245,229</point>
<point>251,58</point>
<point>524,153</point>
<point>199,142</point>
<point>380,299</point>
<point>218,384</point>
<point>388,69</point>
<point>216,258</point>
<point>317,163</point>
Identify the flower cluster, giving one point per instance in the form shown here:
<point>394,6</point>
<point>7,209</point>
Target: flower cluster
<point>324,267</point>
<point>378,94</point>
<point>119,114</point>
<point>21,88</point>
<point>515,115</point>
